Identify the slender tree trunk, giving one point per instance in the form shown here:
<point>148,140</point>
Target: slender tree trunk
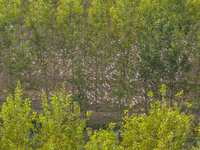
<point>171,94</point>
<point>46,86</point>
<point>96,85</point>
<point>10,72</point>
<point>146,101</point>
<point>196,83</point>
<point>30,73</point>
<point>73,84</point>
<point>54,62</point>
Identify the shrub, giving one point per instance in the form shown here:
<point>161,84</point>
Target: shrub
<point>103,139</point>
<point>163,128</point>
<point>56,128</point>
<point>17,122</point>
<point>61,129</point>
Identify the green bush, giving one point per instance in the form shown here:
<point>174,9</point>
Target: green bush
<point>57,127</point>
<point>103,139</point>
<point>60,127</point>
<point>163,128</point>
<point>17,122</point>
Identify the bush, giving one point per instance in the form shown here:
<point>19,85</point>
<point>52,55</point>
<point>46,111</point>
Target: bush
<point>17,122</point>
<point>103,139</point>
<point>163,128</point>
<point>60,128</point>
<point>56,128</point>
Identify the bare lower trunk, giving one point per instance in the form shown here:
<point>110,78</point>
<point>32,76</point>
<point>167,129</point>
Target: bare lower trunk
<point>96,86</point>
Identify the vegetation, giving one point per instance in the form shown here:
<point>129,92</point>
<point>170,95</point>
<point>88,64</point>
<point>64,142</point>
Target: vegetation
<point>109,54</point>
<point>59,128</point>
<point>55,128</point>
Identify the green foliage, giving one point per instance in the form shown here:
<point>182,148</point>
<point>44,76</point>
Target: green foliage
<point>103,139</point>
<point>61,128</point>
<point>58,127</point>
<point>118,42</point>
<point>164,128</point>
<point>106,49</point>
<point>17,122</point>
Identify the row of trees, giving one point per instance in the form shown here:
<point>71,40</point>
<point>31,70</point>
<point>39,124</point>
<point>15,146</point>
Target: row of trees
<point>101,49</point>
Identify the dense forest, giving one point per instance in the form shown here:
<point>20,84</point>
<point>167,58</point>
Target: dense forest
<point>107,54</point>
